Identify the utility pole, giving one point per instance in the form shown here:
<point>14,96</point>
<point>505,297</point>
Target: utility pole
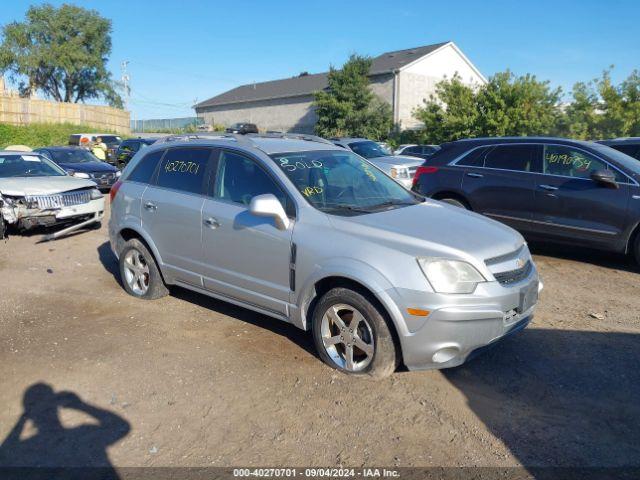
<point>125,79</point>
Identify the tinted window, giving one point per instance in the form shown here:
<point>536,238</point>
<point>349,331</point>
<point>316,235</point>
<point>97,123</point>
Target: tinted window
<point>143,171</point>
<point>184,169</point>
<point>511,157</point>
<point>570,162</point>
<point>368,149</point>
<point>240,179</point>
<point>412,150</point>
<point>631,150</point>
<point>79,155</point>
<point>475,158</point>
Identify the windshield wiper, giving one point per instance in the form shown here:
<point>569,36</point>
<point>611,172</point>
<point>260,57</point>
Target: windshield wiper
<point>349,208</point>
<point>391,203</point>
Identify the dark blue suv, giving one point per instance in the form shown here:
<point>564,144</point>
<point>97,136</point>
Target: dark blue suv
<point>550,189</point>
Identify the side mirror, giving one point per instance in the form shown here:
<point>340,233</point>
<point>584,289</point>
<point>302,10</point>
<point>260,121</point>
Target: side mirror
<point>268,205</point>
<point>605,178</point>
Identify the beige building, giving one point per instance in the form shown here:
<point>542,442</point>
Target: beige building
<point>402,78</point>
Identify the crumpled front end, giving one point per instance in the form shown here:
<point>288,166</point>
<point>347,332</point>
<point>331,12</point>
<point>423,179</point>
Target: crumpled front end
<point>79,207</point>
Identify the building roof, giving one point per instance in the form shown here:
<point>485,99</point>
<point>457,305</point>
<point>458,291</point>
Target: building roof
<point>307,84</point>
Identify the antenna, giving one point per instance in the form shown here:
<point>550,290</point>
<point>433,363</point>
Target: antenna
<point>125,78</point>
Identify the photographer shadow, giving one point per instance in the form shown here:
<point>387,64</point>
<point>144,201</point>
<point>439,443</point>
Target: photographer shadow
<point>80,449</point>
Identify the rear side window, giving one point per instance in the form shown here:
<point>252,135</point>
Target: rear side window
<point>412,150</point>
<point>631,150</point>
<point>184,169</point>
<point>519,158</point>
<point>474,158</point>
<point>144,170</point>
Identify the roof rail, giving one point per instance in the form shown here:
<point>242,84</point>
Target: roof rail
<point>186,137</point>
<point>245,140</point>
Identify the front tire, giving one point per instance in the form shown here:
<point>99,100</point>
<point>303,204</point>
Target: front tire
<point>139,272</point>
<point>352,335</point>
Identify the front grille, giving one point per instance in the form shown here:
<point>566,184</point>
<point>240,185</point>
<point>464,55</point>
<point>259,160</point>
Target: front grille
<point>104,176</point>
<point>514,276</point>
<point>59,200</point>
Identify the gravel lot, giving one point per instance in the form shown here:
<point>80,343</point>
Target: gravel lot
<point>191,381</point>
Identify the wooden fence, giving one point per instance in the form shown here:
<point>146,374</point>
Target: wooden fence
<point>23,111</point>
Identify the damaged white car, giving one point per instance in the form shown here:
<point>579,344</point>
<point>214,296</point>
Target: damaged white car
<point>35,192</point>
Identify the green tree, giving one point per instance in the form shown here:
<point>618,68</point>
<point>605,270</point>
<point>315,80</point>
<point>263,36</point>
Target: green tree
<point>61,52</point>
<point>505,105</point>
<point>348,107</point>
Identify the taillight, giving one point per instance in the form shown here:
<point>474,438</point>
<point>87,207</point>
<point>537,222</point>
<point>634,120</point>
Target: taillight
<point>114,190</point>
<point>423,170</point>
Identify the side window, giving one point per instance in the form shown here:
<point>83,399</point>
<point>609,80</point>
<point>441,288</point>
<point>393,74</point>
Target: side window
<point>512,157</point>
<point>412,150</point>
<point>184,169</point>
<point>144,170</point>
<point>240,179</point>
<point>631,150</point>
<point>570,162</point>
<point>474,158</point>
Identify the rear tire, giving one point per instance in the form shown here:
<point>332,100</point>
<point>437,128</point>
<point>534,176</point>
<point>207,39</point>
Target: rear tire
<point>455,202</point>
<point>139,272</point>
<point>366,349</point>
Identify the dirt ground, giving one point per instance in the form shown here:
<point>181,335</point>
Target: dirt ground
<point>191,381</point>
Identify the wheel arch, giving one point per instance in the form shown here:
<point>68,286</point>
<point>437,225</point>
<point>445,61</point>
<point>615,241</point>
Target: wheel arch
<point>127,233</point>
<point>452,194</point>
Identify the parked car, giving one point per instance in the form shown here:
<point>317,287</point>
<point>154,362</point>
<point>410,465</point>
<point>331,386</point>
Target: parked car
<point>80,163</point>
<point>86,139</point>
<point>129,147</point>
<point>627,145</point>
<point>309,233</point>
<point>550,189</point>
<point>400,168</point>
<point>34,192</point>
<point>420,151</point>
<point>242,128</point>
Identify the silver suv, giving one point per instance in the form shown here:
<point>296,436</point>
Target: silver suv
<point>315,235</point>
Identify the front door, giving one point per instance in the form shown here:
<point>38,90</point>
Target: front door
<point>501,184</point>
<point>571,206</point>
<point>172,211</point>
<point>245,257</point>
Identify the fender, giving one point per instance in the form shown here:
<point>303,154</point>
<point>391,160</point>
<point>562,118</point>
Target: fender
<point>352,269</point>
<point>130,224</point>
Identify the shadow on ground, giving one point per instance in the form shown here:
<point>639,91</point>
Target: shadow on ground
<point>559,397</point>
<point>294,334</point>
<point>39,439</point>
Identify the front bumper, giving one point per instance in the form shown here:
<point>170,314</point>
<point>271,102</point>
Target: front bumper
<point>27,219</point>
<point>459,326</point>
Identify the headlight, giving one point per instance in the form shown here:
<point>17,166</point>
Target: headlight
<point>450,276</point>
<point>95,194</point>
<point>81,175</point>
<point>118,173</point>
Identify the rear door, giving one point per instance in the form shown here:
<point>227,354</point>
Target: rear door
<point>499,182</point>
<point>571,206</point>
<point>172,211</point>
<point>246,257</point>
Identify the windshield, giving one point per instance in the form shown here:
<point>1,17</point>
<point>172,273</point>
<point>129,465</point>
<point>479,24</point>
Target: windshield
<point>623,159</point>
<point>337,181</point>
<point>110,139</point>
<point>369,149</point>
<point>72,156</point>
<point>28,166</point>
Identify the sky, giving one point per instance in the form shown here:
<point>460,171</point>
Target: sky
<point>181,52</point>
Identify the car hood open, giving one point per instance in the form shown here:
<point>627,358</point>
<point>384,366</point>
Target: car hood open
<point>22,186</point>
<point>434,229</point>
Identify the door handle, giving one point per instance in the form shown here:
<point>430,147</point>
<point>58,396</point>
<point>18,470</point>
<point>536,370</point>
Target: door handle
<point>211,222</point>
<point>152,207</point>
<point>550,188</point>
<point>475,175</point>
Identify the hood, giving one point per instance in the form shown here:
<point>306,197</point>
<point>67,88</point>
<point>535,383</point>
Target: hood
<point>403,160</point>
<point>434,229</point>
<point>22,186</point>
<point>89,167</point>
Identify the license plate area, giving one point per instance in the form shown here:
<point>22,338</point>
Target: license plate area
<point>528,297</point>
